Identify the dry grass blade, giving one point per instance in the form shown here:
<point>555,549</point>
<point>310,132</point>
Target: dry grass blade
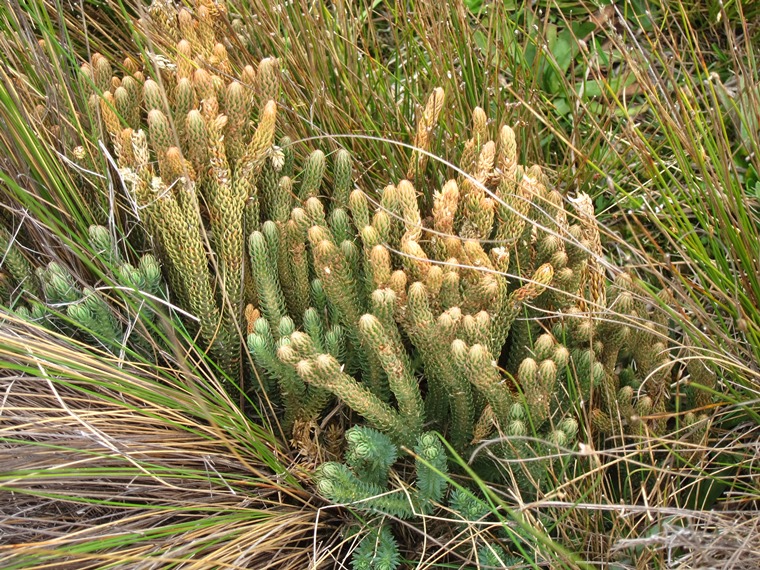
<point>677,504</point>
<point>704,540</point>
<point>104,465</point>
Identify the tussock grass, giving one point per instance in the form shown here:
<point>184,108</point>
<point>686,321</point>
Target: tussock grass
<point>111,464</point>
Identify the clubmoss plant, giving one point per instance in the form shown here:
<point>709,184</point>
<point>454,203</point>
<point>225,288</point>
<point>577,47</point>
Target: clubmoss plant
<point>362,483</point>
<point>190,136</point>
<point>438,310</point>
